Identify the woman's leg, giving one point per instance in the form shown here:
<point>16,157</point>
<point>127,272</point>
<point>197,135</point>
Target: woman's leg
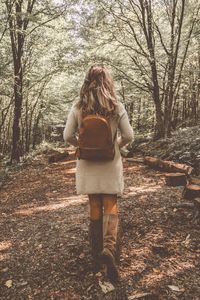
<point>95,231</point>
<point>110,204</point>
<point>95,202</point>
<point>110,229</point>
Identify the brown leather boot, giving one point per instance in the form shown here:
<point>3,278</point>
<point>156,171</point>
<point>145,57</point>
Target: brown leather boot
<point>96,242</point>
<point>110,229</point>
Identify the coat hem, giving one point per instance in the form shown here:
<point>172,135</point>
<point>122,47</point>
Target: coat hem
<point>119,194</point>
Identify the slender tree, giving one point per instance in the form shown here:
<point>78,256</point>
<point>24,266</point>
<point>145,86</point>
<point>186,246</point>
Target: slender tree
<point>158,52</point>
<point>17,27</point>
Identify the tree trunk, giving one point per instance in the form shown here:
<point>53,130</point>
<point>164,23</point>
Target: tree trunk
<point>16,142</point>
<point>17,27</point>
<point>148,32</point>
<point>17,41</point>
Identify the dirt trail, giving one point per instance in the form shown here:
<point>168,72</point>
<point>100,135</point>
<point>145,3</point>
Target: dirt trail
<point>44,249</point>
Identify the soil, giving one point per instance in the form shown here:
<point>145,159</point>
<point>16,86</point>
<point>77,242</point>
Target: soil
<point>44,248</point>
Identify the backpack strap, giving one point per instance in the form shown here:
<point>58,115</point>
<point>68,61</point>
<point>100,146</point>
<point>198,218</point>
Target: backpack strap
<point>115,135</point>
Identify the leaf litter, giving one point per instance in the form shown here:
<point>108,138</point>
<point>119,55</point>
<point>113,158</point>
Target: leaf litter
<point>44,246</point>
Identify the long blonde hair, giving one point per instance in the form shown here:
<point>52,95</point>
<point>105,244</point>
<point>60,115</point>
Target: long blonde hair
<point>97,93</point>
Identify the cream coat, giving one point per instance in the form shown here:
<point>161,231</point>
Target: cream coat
<point>100,177</point>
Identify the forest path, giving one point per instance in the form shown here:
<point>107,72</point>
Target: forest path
<point>44,248</point>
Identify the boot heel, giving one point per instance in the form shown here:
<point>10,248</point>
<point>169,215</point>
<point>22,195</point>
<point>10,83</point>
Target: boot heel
<point>108,259</point>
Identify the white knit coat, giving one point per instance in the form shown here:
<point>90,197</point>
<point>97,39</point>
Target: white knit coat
<point>103,177</point>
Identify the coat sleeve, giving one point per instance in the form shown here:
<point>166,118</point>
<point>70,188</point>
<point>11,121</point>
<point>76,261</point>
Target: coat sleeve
<point>69,133</point>
<point>125,128</point>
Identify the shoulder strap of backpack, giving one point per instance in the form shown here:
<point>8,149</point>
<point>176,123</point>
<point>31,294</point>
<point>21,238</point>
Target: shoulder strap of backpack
<point>115,135</point>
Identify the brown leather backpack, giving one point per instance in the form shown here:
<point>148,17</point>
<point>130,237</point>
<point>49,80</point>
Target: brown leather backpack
<point>95,139</point>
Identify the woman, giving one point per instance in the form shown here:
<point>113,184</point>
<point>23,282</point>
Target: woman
<point>102,181</point>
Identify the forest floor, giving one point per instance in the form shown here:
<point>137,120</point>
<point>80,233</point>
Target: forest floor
<point>183,147</point>
<point>44,248</point>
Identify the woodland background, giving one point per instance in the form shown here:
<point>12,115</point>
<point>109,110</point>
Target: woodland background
<point>151,46</point>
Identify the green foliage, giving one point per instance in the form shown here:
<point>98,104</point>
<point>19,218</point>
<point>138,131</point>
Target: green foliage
<point>65,37</point>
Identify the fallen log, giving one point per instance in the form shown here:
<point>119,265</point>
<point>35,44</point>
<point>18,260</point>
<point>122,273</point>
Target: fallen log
<point>194,180</point>
<point>152,162</point>
<point>168,166</point>
<point>176,167</point>
<point>176,179</point>
<point>135,160</point>
<point>191,191</point>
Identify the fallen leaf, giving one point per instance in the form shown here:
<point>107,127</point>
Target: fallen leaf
<point>187,240</point>
<point>4,270</point>
<point>8,283</point>
<point>82,255</point>
<point>39,246</point>
<point>89,288</point>
<point>139,296</point>
<point>22,283</point>
<point>156,270</point>
<point>98,275</point>
<point>175,288</point>
<point>106,287</point>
